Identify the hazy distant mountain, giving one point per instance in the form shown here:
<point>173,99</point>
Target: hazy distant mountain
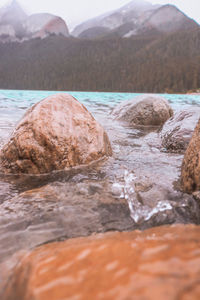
<point>12,14</point>
<point>11,19</point>
<point>43,24</point>
<point>168,18</point>
<point>137,17</point>
<point>15,25</point>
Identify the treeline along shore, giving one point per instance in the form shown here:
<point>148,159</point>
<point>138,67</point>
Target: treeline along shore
<point>155,63</point>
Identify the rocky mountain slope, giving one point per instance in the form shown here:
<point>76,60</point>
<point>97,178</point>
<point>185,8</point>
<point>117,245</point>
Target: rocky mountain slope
<point>137,17</point>
<point>43,24</point>
<point>16,25</point>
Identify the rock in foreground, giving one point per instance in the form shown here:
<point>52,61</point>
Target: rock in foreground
<point>145,110</point>
<point>190,173</point>
<point>160,263</point>
<point>177,131</point>
<point>75,209</point>
<point>55,134</point>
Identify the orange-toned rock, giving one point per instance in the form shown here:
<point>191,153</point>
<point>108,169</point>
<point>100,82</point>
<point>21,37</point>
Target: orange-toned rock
<point>161,263</point>
<point>190,173</point>
<point>55,134</point>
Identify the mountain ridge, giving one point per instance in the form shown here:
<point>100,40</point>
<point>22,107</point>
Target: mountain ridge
<point>135,18</point>
<point>16,25</point>
<point>141,16</point>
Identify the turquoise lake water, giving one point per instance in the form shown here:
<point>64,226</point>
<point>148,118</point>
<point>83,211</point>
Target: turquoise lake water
<point>13,103</point>
<point>23,99</point>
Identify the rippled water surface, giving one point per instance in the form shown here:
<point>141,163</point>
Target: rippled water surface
<point>136,188</point>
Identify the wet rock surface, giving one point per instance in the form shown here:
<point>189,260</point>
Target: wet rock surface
<point>54,134</point>
<point>159,263</point>
<point>88,202</point>
<point>177,131</point>
<point>145,110</point>
<point>190,172</point>
<point>158,203</point>
<point>57,212</point>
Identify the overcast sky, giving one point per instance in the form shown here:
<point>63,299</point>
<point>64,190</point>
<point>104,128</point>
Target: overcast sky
<point>77,11</point>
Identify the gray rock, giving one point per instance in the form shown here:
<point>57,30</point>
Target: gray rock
<point>177,131</point>
<point>145,110</point>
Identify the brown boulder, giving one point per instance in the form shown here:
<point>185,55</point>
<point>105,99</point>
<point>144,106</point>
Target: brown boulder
<point>160,263</point>
<point>145,110</point>
<point>54,134</point>
<point>190,172</point>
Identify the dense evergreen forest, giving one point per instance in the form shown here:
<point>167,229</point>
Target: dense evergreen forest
<point>156,63</point>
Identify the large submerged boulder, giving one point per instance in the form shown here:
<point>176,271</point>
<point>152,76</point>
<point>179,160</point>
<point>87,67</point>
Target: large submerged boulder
<point>160,263</point>
<point>144,110</point>
<point>54,134</point>
<point>177,131</point>
<point>190,173</point>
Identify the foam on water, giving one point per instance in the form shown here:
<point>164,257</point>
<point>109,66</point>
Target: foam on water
<point>138,211</point>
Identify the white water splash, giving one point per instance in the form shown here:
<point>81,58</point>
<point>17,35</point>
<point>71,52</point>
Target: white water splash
<point>138,211</point>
